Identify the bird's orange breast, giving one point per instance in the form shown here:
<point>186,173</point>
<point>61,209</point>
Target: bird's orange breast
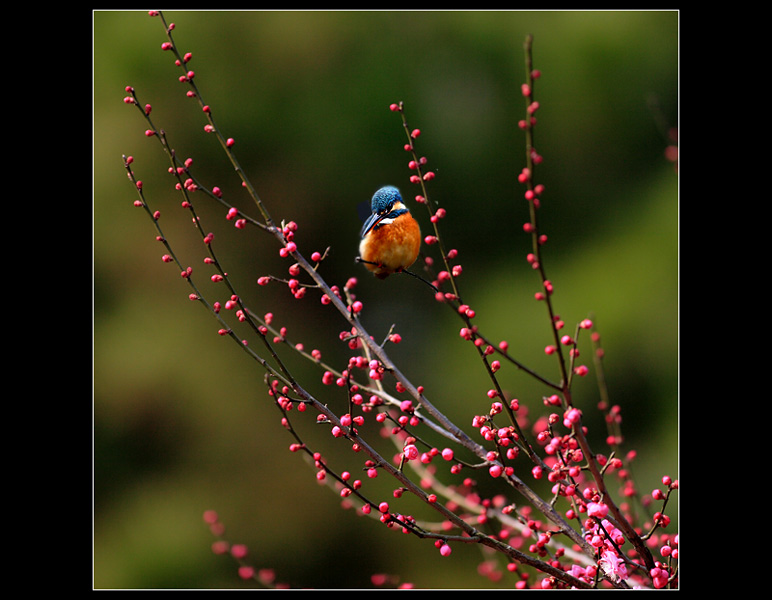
<point>391,247</point>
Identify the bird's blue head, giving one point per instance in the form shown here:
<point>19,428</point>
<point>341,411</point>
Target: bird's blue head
<point>384,199</point>
<point>386,204</point>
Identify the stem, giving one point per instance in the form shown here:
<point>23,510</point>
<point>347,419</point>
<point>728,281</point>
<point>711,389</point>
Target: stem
<point>223,142</point>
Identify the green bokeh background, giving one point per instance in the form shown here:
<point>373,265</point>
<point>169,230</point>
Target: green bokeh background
<point>181,419</point>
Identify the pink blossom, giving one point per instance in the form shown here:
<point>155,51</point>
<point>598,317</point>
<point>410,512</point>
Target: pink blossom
<point>611,563</point>
<point>597,509</point>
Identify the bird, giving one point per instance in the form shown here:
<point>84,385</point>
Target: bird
<point>390,237</point>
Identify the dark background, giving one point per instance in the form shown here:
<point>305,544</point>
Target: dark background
<point>181,419</point>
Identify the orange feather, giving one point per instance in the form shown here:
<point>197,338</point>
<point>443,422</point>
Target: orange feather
<point>391,247</point>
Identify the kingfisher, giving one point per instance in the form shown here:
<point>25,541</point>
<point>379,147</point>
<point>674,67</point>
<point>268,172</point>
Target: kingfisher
<point>391,237</point>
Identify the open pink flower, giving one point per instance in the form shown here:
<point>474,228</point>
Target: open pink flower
<point>611,563</point>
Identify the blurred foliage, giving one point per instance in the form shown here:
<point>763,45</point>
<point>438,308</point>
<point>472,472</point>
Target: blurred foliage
<point>181,419</point>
